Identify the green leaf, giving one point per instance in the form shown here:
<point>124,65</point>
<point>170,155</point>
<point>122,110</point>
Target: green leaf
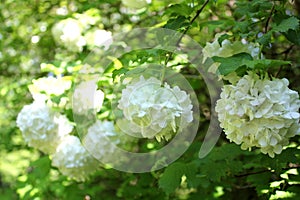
<point>136,71</point>
<point>289,155</point>
<point>222,161</point>
<point>291,23</point>
<point>260,181</point>
<point>242,27</point>
<point>118,72</point>
<point>265,63</point>
<point>254,9</point>
<point>226,151</point>
<point>183,9</point>
<point>171,177</point>
<point>177,23</point>
<point>55,99</point>
<point>41,167</point>
<point>222,38</point>
<point>212,25</point>
<point>214,170</point>
<point>265,39</point>
<point>231,64</point>
<point>293,36</point>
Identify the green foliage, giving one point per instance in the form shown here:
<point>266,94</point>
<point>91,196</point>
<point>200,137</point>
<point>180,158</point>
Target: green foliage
<point>172,176</point>
<point>28,51</point>
<point>291,23</point>
<point>237,61</point>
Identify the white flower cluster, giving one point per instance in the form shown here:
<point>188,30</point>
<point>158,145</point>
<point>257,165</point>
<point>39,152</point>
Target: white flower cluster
<point>70,33</point>
<point>98,38</point>
<point>227,49</point>
<point>50,85</point>
<point>41,127</point>
<point>86,97</point>
<point>101,139</point>
<point>73,160</point>
<point>43,88</point>
<point>259,113</point>
<point>48,131</point>
<point>153,110</point>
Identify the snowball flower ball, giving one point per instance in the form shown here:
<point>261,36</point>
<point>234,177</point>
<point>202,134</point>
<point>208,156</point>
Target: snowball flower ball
<point>73,160</point>
<point>100,139</point>
<point>155,110</point>
<point>86,97</point>
<point>41,127</point>
<point>259,113</point>
<point>68,32</point>
<point>43,88</point>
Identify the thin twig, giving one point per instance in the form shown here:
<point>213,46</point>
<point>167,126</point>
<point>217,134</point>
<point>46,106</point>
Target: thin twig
<point>251,173</point>
<point>286,52</point>
<point>263,171</point>
<point>192,21</point>
<point>186,30</point>
<point>269,18</point>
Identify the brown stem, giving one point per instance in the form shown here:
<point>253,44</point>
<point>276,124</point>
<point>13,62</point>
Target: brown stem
<point>269,18</point>
<point>286,52</point>
<point>192,21</point>
<point>186,30</point>
<point>265,170</point>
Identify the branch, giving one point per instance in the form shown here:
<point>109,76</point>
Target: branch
<point>251,173</point>
<point>192,21</point>
<point>186,30</point>
<point>293,166</point>
<point>269,18</point>
<point>286,52</point>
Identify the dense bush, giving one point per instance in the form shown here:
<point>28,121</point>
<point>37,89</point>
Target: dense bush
<point>80,80</point>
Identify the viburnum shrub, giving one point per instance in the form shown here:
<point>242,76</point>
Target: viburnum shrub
<point>134,82</point>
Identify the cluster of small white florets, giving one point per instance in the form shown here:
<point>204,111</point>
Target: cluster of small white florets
<point>48,131</point>
<point>259,113</point>
<point>101,139</point>
<point>86,97</point>
<point>70,33</point>
<point>73,160</point>
<point>41,127</point>
<point>153,110</point>
<point>44,88</point>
